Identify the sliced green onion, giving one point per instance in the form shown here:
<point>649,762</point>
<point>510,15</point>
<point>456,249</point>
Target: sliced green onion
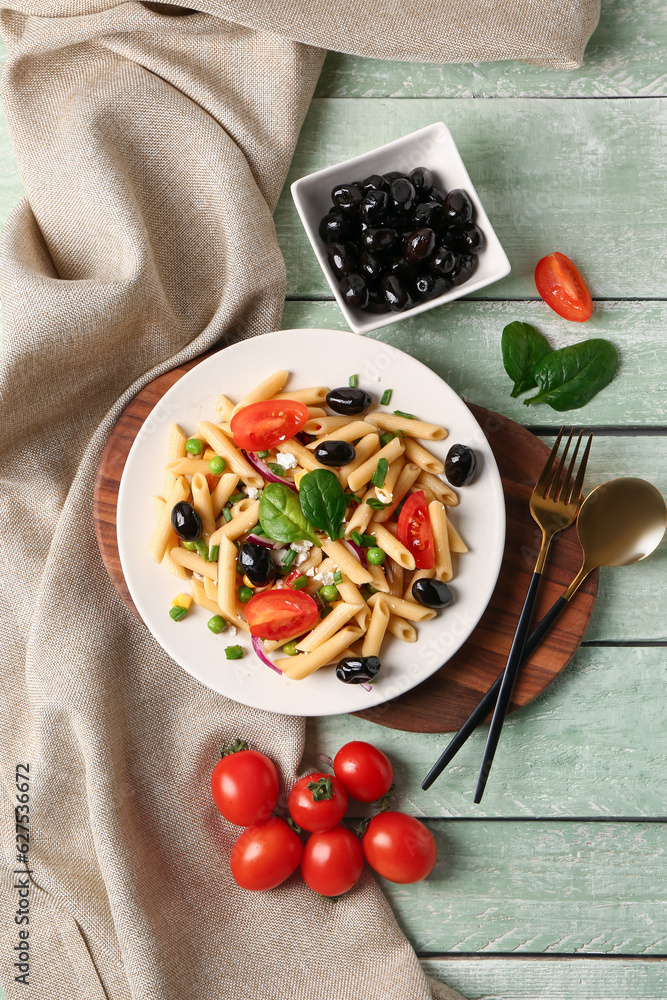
<point>380,474</point>
<point>356,538</point>
<point>386,396</point>
<point>387,437</point>
<point>289,558</point>
<point>177,613</point>
<point>190,546</point>
<point>202,548</point>
<point>377,504</point>
<point>213,553</point>
<point>368,540</point>
<point>233,652</point>
<point>217,624</point>
<point>277,470</point>
<point>236,497</point>
<point>352,381</point>
<point>227,514</point>
<point>402,413</point>
<point>300,582</point>
<point>338,576</point>
<point>263,454</point>
<point>326,611</point>
<point>355,499</point>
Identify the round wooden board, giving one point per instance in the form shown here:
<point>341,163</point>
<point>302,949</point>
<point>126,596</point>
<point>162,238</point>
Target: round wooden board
<point>443,702</point>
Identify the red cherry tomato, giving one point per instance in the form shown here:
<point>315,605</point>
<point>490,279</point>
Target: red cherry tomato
<point>265,855</point>
<point>259,426</point>
<point>332,862</point>
<point>399,847</point>
<point>364,771</point>
<point>319,807</point>
<point>245,787</point>
<point>415,532</point>
<point>562,287</point>
<point>281,614</point>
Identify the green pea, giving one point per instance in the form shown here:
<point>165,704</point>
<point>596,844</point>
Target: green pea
<point>233,652</point>
<point>217,465</point>
<point>216,624</point>
<point>244,594</point>
<point>194,446</point>
<point>289,649</point>
<point>375,556</point>
<point>329,592</point>
<point>190,546</point>
<point>386,438</point>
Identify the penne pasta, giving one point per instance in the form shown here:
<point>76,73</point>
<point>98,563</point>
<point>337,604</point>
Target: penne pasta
<point>363,451</point>
<point>412,428</point>
<point>351,595</point>
<point>391,545</point>
<point>347,563</point>
<point>443,556</point>
<point>167,561</point>
<point>419,574</point>
<point>456,543</point>
<point>193,562</point>
<point>376,627</point>
<point>362,514</point>
<point>416,453</point>
<point>164,531</point>
<point>324,425</point>
<point>379,580</point>
<point>316,411</point>
<point>404,609</point>
<point>333,622</point>
<point>175,450</point>
<point>401,629</point>
<point>244,517</point>
<point>235,460</point>
<point>200,597</point>
<point>349,432</point>
<point>300,666</point>
<point>225,488</point>
<point>309,397</point>
<point>406,478</point>
<point>364,473</point>
<point>187,467</point>
<point>225,407</point>
<point>305,458</point>
<point>441,490</point>
<point>395,575</point>
<point>265,390</point>
<point>227,579</point>
<point>201,501</point>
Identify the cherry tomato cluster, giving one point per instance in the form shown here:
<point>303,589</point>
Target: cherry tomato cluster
<point>245,787</point>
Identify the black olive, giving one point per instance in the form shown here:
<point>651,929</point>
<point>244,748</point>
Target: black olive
<point>256,562</point>
<point>394,175</point>
<point>432,594</point>
<point>357,669</point>
<point>437,194</point>
<point>335,453</point>
<point>467,240</point>
<point>374,208</point>
<point>460,465</point>
<point>354,291</point>
<point>342,258</point>
<point>371,266</point>
<point>466,265</point>
<point>346,197</point>
<point>422,180</point>
<point>395,293</point>
<point>402,194</point>
<point>348,400</point>
<point>419,245</point>
<point>443,261</point>
<point>376,302</point>
<point>185,521</point>
<point>430,286</point>
<point>379,240</point>
<point>429,213</point>
<point>458,209</point>
<point>404,272</point>
<point>375,182</point>
<point>336,228</point>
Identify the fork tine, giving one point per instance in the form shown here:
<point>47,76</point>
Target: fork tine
<point>579,481</point>
<point>543,481</point>
<point>554,492</point>
<point>566,489</point>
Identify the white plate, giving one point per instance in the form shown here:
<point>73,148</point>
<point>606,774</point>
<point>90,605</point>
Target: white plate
<point>314,357</point>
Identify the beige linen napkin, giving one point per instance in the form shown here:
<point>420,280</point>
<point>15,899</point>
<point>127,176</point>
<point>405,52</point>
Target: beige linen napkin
<point>153,149</point>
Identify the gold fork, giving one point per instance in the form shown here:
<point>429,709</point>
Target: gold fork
<point>554,505</point>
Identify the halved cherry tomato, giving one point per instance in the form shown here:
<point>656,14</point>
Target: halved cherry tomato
<point>281,614</point>
<point>245,787</point>
<point>262,425</point>
<point>399,847</point>
<point>562,287</point>
<point>317,802</point>
<point>332,861</point>
<point>415,532</point>
<point>265,855</point>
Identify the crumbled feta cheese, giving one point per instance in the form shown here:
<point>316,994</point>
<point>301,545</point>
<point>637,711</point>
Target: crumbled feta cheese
<point>326,578</point>
<point>301,548</point>
<point>231,631</point>
<point>383,495</point>
<point>287,461</point>
<point>312,571</point>
<point>251,492</point>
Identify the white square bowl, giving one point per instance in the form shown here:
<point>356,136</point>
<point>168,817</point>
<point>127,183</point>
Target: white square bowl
<point>431,147</point>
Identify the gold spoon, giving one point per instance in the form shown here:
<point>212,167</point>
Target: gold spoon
<point>619,523</point>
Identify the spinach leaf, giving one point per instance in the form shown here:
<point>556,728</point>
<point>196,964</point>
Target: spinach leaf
<point>569,378</point>
<point>281,517</point>
<point>323,501</point>
<point>523,348</point>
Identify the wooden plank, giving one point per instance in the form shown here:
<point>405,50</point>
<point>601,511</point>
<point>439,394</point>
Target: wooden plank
<point>592,745</point>
<point>566,887</point>
<point>552,174</point>
<point>624,57</point>
<point>551,979</point>
<point>461,343</point>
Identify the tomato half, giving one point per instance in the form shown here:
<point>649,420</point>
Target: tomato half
<point>399,847</point>
<point>262,425</point>
<point>332,862</point>
<point>281,614</point>
<point>265,855</point>
<point>415,532</point>
<point>364,771</point>
<point>245,787</point>
<point>562,287</point>
<point>317,802</point>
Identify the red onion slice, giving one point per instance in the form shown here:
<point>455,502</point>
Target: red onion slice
<point>366,686</point>
<point>261,467</point>
<point>265,543</point>
<point>256,645</point>
<point>357,550</point>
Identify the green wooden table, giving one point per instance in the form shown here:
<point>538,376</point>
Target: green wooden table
<point>554,888</point>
